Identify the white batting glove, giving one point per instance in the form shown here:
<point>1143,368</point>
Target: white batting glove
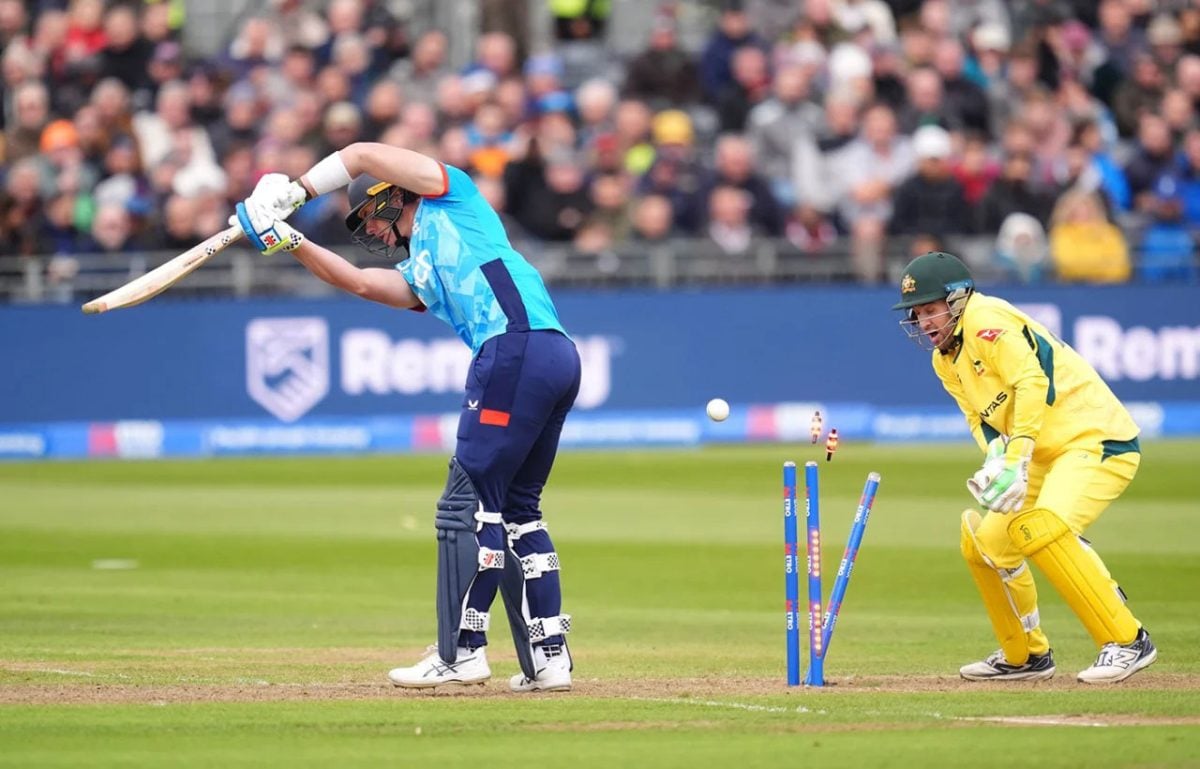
<point>278,194</point>
<point>267,233</point>
<point>993,465</point>
<point>1006,493</point>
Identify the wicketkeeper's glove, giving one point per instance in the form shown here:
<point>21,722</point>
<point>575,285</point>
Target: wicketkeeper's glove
<point>1006,493</point>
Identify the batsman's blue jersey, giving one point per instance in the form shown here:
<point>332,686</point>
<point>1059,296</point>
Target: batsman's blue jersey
<point>463,269</point>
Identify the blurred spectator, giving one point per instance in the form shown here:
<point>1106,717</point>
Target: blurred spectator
<point>112,232</point>
<point>734,166</point>
<point>243,119</point>
<point>21,209</point>
<point>162,20</point>
<point>488,140</point>
<point>975,169</point>
<point>611,205</point>
<point>299,25</point>
<point>258,44</point>
<point>965,103</point>
<point>13,21</point>
<point>1138,94</point>
<point>595,101</point>
<point>1165,37</point>
<point>126,54</point>
<point>810,230</point>
<point>867,173</point>
<point>422,70</point>
<point>172,113</point>
<point>1179,111</point>
<point>342,126</point>
<point>926,103</point>
<point>1168,248</point>
<point>1021,251</point>
<point>85,29</point>
<point>1153,156</point>
<point>1050,132</point>
<point>850,69</point>
<point>932,201</point>
<point>1013,193</point>
<point>675,173</point>
<point>777,125</point>
<point>733,31</point>
<point>751,85</point>
<point>1084,245</point>
<point>1113,181</point>
<point>495,52</point>
<point>179,224</point>
<point>663,73</point>
<point>816,166</point>
<point>547,195</point>
<point>729,224</point>
<point>579,19</point>
<point>1189,178</point>
<point>631,123</point>
<point>1121,40</point>
<point>384,105</point>
<point>652,220</point>
<point>31,112</point>
<point>166,64</point>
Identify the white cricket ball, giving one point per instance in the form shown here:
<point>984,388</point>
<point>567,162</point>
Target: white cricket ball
<point>718,409</point>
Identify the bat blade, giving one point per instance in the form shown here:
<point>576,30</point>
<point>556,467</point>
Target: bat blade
<point>165,275</point>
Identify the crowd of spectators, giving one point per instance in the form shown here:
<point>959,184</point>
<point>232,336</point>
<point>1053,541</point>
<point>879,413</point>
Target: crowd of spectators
<point>1063,131</point>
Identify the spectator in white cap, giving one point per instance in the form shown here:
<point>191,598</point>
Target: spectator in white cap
<point>932,202</point>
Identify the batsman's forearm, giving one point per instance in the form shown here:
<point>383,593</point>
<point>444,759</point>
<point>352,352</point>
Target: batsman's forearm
<point>329,267</point>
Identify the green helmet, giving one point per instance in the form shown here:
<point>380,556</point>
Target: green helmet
<point>933,276</point>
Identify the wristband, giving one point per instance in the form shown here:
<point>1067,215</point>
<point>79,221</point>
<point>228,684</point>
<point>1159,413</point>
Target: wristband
<point>328,174</point>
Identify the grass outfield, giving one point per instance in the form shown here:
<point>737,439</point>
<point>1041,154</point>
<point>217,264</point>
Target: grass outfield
<point>244,612</point>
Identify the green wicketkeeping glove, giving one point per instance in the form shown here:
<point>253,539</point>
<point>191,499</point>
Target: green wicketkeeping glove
<point>1006,493</point>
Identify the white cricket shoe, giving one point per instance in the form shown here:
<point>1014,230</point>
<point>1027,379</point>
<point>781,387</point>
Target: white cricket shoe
<point>469,667</point>
<point>1038,667</point>
<point>1117,662</point>
<point>553,665</point>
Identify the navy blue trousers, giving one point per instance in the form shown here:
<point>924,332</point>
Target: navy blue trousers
<point>519,390</point>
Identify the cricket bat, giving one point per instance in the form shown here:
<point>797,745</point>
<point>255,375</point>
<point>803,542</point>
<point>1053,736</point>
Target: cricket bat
<point>165,275</point>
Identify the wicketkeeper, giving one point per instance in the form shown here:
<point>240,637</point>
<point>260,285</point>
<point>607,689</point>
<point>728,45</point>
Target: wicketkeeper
<point>454,260</point>
<point>1059,448</point>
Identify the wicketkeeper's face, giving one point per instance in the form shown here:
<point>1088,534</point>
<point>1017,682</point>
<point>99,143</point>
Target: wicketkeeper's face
<point>936,322</point>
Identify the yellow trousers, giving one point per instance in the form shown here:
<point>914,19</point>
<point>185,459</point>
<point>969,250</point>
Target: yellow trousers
<point>1075,487</point>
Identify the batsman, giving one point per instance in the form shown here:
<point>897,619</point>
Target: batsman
<point>453,260</point>
<point>1059,448</point>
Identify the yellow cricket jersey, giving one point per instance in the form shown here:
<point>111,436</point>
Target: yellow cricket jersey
<point>1011,376</point>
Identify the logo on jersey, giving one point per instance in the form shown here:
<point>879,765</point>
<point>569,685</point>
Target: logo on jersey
<point>979,369</point>
<point>1001,397</point>
<point>472,405</point>
<point>990,334</point>
<point>287,364</point>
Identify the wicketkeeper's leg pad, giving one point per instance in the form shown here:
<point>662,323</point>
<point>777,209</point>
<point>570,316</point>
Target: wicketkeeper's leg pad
<point>1009,596</point>
<point>460,519</point>
<point>1046,539</point>
<point>531,591</point>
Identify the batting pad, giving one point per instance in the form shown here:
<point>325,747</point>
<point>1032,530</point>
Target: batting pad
<point>1046,539</point>
<point>1009,596</point>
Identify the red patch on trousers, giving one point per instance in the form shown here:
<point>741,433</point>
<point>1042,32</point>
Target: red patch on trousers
<point>493,417</point>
